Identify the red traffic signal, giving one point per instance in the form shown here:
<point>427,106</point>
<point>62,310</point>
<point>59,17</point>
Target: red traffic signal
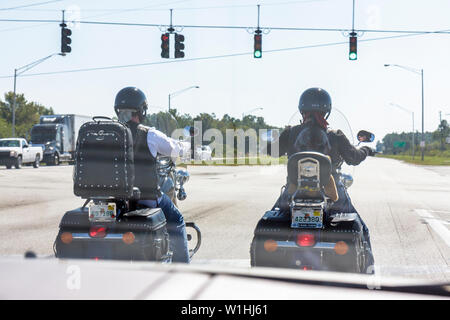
<point>165,45</point>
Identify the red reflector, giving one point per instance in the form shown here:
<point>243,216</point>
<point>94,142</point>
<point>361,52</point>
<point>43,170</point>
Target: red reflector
<point>305,240</point>
<point>97,232</point>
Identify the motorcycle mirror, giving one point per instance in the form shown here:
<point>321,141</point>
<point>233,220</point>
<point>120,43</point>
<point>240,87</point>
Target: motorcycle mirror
<point>365,136</point>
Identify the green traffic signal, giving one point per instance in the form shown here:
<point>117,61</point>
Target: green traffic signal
<point>257,46</point>
<point>352,55</point>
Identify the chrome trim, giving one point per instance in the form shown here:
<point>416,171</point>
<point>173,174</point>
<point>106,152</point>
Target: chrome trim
<point>308,204</point>
<point>293,245</point>
<point>344,217</point>
<point>109,236</point>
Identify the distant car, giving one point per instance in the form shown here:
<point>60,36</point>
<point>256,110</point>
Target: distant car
<point>16,151</point>
<point>203,153</point>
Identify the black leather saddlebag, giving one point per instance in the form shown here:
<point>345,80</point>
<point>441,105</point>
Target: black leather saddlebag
<point>104,161</point>
<point>138,235</point>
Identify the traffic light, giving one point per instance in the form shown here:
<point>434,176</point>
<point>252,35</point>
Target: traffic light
<point>179,46</point>
<point>257,52</point>
<point>353,55</point>
<point>65,39</point>
<point>165,45</point>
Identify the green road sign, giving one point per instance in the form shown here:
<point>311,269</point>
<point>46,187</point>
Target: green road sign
<point>399,144</point>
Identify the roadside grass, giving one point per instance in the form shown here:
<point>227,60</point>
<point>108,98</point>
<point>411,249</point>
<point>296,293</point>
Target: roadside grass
<point>428,160</point>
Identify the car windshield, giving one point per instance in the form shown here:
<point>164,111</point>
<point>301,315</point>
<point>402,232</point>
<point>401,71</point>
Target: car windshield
<point>295,136</point>
<point>10,143</point>
<point>42,135</point>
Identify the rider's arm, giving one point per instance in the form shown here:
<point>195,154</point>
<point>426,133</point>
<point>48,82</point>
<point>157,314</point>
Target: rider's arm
<point>350,154</point>
<point>284,142</point>
<point>158,142</point>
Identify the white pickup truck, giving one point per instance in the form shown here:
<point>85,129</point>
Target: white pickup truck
<point>16,151</point>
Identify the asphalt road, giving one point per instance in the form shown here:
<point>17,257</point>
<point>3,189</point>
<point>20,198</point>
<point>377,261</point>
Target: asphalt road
<point>406,208</point>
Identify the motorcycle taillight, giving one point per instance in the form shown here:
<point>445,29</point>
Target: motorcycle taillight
<point>305,240</point>
<point>97,232</point>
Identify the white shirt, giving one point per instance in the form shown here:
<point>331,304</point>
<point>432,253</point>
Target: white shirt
<point>158,142</point>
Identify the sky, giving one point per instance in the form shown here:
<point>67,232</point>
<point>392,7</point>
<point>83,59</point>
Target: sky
<point>362,90</point>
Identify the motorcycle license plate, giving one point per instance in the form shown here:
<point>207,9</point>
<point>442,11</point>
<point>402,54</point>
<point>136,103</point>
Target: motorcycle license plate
<point>102,212</point>
<point>307,218</point>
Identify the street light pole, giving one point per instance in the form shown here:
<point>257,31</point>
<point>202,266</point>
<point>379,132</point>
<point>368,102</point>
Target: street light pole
<point>14,107</point>
<point>416,71</point>
<point>422,143</point>
<point>18,72</point>
<point>181,91</point>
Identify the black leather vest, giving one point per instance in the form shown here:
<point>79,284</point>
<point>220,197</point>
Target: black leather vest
<point>146,174</point>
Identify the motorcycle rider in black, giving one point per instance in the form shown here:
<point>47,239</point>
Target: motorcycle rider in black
<point>131,107</point>
<point>314,135</point>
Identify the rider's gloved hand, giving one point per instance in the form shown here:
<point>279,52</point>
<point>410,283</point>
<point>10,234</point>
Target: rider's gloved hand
<point>369,151</point>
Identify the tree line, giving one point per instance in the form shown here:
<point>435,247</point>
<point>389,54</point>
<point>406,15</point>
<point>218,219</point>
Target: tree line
<point>27,114</point>
<point>436,142</point>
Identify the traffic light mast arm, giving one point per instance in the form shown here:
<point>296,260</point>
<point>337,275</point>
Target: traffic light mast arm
<point>27,67</point>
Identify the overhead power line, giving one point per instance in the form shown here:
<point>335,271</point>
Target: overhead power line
<point>102,15</point>
<point>329,44</point>
<point>30,5</point>
<point>277,3</point>
<point>133,24</point>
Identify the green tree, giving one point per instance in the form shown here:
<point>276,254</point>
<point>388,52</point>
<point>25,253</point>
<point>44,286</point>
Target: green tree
<point>27,114</point>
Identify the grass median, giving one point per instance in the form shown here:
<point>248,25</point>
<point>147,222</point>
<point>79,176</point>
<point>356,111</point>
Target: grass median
<point>434,160</point>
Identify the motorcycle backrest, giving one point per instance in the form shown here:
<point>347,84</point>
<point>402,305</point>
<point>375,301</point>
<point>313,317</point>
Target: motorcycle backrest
<point>309,167</point>
<point>104,161</point>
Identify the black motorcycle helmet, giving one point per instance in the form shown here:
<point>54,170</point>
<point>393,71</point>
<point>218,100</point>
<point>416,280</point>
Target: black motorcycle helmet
<point>129,102</point>
<point>315,100</point>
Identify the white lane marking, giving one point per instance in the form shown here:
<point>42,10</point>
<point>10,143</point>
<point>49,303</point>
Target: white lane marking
<point>435,224</point>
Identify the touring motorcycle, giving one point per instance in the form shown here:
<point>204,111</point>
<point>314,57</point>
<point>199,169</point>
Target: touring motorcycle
<point>111,224</point>
<point>299,232</point>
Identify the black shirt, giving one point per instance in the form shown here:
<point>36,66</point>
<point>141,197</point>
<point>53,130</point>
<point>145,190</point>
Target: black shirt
<point>341,148</point>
